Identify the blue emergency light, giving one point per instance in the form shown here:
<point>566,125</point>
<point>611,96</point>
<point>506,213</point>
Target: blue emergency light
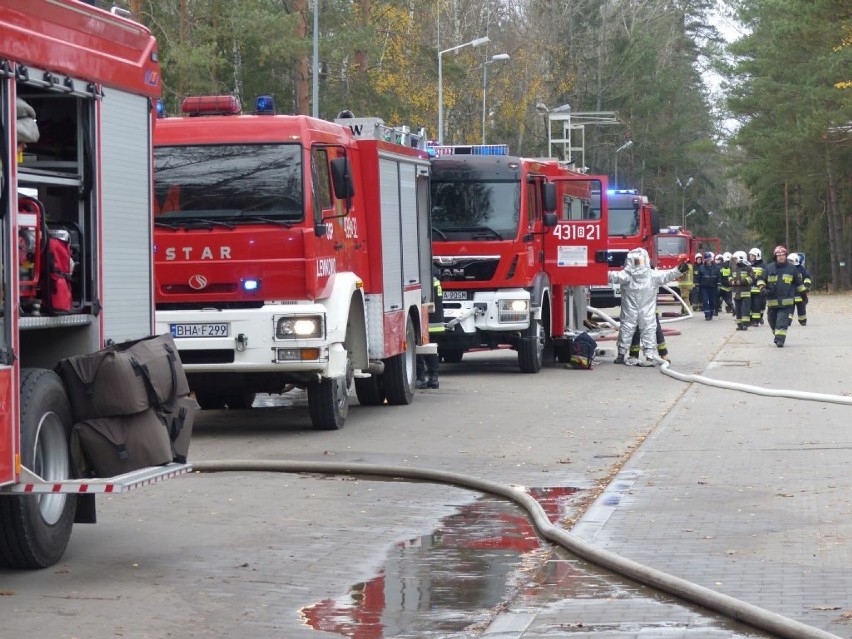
<point>265,105</point>
<point>251,285</point>
<point>161,108</point>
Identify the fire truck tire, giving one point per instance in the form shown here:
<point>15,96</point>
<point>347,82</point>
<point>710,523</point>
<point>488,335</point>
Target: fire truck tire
<point>451,355</point>
<point>531,348</point>
<point>210,400</point>
<point>239,400</point>
<point>35,529</point>
<point>401,371</point>
<point>328,400</point>
<point>369,390</point>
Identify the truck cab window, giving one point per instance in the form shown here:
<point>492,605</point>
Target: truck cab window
<point>321,180</point>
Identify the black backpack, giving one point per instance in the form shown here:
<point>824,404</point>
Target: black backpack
<point>583,349</point>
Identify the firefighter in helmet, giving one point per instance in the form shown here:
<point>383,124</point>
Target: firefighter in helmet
<point>741,279</point>
<point>801,300</point>
<point>427,365</point>
<point>758,295</point>
<point>782,283</point>
<point>725,287</point>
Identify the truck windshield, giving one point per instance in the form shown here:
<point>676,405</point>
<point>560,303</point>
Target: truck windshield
<point>623,221</point>
<point>671,245</point>
<point>476,209</point>
<point>240,183</point>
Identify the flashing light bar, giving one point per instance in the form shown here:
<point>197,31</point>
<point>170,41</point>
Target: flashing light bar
<point>469,149</point>
<point>265,105</point>
<point>622,192</point>
<point>211,105</point>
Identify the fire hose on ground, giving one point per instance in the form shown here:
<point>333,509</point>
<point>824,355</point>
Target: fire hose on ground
<point>730,607</point>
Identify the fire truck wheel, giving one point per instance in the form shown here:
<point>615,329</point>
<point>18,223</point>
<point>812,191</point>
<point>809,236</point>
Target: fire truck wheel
<point>401,371</point>
<point>370,391</point>
<point>36,529</point>
<point>239,400</point>
<point>328,400</point>
<point>210,400</point>
<point>531,348</point>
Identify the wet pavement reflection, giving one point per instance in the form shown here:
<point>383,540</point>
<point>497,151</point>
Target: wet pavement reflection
<point>487,559</point>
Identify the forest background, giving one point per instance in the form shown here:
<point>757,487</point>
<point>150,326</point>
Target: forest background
<point>743,134</point>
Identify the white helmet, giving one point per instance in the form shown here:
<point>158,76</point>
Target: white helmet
<point>756,252</point>
<point>794,259</point>
<point>727,256</point>
<point>740,256</point>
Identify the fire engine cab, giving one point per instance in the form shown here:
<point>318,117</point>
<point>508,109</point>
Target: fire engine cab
<point>77,87</point>
<point>291,251</point>
<point>633,223</point>
<point>517,242</point>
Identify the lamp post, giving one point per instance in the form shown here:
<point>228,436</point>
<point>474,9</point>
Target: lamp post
<point>500,57</point>
<point>473,43</point>
<point>624,146</point>
<point>683,186</point>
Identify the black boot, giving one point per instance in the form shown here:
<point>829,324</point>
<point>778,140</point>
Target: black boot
<point>433,382</point>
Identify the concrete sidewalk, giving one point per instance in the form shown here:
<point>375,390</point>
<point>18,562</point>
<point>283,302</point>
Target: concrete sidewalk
<point>743,494</point>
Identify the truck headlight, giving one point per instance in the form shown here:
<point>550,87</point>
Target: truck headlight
<point>512,311</point>
<point>300,327</point>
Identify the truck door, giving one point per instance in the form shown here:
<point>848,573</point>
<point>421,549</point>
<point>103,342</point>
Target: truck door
<point>575,248</point>
<point>8,302</point>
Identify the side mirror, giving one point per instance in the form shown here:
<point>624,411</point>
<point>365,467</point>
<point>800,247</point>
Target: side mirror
<point>550,220</point>
<point>548,197</point>
<point>655,221</point>
<point>341,179</point>
<point>319,229</point>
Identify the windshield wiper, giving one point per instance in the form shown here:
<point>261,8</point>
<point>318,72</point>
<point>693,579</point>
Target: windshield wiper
<point>166,225</point>
<point>268,220</point>
<point>475,231</point>
<point>200,221</point>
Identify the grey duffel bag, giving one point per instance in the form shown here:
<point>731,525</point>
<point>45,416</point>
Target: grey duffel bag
<point>110,446</point>
<point>157,357</point>
<point>124,379</point>
<point>104,384</point>
<point>178,419</point>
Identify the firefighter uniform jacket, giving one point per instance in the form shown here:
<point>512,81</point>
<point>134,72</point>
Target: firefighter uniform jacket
<point>436,315</point>
<point>783,284</point>
<point>806,280</point>
<point>726,276</point>
<point>740,280</point>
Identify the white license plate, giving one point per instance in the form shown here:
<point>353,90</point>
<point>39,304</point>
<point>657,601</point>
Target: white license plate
<point>206,329</point>
<point>455,295</point>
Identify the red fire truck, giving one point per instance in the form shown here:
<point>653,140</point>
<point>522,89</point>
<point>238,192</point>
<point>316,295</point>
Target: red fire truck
<point>517,242</point>
<point>673,241</point>
<point>290,251</point>
<point>83,179</point>
<point>633,222</point>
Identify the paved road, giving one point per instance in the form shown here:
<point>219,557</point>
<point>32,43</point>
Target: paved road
<point>742,494</point>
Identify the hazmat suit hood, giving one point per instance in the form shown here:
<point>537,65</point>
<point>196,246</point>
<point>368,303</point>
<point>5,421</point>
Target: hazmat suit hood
<point>638,267</point>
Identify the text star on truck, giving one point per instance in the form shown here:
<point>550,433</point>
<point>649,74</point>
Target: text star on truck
<point>517,242</point>
<point>76,178</point>
<point>291,250</point>
<point>633,223</point>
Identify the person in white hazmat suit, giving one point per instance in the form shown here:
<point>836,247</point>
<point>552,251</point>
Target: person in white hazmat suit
<point>639,286</point>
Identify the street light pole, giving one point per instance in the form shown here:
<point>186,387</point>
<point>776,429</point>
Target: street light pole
<point>500,57</point>
<point>473,43</point>
<point>624,146</point>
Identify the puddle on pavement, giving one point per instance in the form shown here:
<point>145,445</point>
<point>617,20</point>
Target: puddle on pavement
<point>441,583</point>
<point>452,582</point>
